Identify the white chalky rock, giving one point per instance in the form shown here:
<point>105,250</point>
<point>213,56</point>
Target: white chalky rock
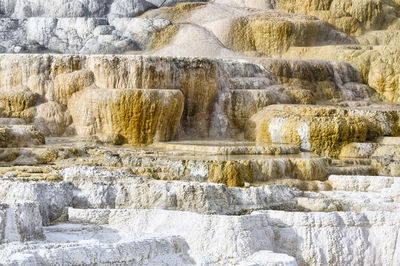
<point>95,187</point>
<point>212,239</point>
<point>52,198</point>
<point>337,238</point>
<point>363,183</point>
<point>269,258</point>
<point>150,251</point>
<point>20,221</point>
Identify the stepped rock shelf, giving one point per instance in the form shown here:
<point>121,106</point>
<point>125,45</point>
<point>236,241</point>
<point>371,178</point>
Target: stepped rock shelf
<point>224,132</point>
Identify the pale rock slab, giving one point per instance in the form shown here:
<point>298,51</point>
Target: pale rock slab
<point>20,221</point>
<point>98,188</point>
<point>227,244</point>
<point>337,238</point>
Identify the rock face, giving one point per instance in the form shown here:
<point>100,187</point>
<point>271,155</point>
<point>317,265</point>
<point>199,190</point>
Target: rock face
<point>253,34</point>
<point>20,222</point>
<point>353,17</point>
<point>77,26</point>
<point>224,132</point>
<point>321,129</point>
<point>20,136</point>
<point>382,77</point>
<point>132,116</point>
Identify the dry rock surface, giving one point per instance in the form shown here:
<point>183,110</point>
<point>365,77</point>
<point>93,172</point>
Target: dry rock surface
<point>223,132</point>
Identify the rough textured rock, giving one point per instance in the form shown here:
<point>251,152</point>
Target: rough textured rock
<point>321,129</point>
<point>133,192</point>
<point>156,251</point>
<point>52,119</point>
<point>378,64</point>
<point>20,136</point>
<point>88,174</point>
<point>71,26</point>
<point>373,237</point>
<point>20,222</point>
<point>51,198</point>
<point>15,102</point>
<point>219,95</point>
<point>274,33</point>
<point>196,229</point>
<point>353,17</point>
<point>132,116</point>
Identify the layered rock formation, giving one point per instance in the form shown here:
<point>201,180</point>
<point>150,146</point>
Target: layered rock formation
<point>243,132</point>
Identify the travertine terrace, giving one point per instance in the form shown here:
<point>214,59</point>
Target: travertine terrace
<point>223,132</point>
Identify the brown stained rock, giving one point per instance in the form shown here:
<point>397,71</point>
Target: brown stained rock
<point>195,77</point>
<point>353,17</point>
<point>231,173</point>
<point>15,101</point>
<point>378,65</point>
<point>274,33</point>
<point>321,129</point>
<point>138,116</point>
<point>20,136</point>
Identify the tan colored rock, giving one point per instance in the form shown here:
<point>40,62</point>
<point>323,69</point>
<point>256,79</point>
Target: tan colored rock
<point>353,16</point>
<point>257,4</point>
<point>273,33</point>
<point>325,80</point>
<point>127,115</point>
<point>14,102</point>
<point>173,13</point>
<point>52,118</point>
<point>381,37</point>
<point>20,136</point>
<point>40,84</point>
<point>16,70</point>
<point>230,173</point>
<point>197,78</point>
<point>358,150</point>
<point>239,172</point>
<point>379,65</point>
<point>67,84</point>
<point>321,129</point>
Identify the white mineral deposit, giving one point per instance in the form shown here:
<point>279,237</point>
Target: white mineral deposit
<point>184,132</point>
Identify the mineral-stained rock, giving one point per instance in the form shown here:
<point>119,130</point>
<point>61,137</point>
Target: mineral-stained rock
<point>323,130</point>
<point>197,78</point>
<point>219,95</point>
<point>13,102</point>
<point>20,136</point>
<point>353,16</point>
<point>386,157</point>
<point>326,80</point>
<point>378,65</point>
<point>358,150</point>
<point>192,71</point>
<point>274,33</point>
<point>130,115</point>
